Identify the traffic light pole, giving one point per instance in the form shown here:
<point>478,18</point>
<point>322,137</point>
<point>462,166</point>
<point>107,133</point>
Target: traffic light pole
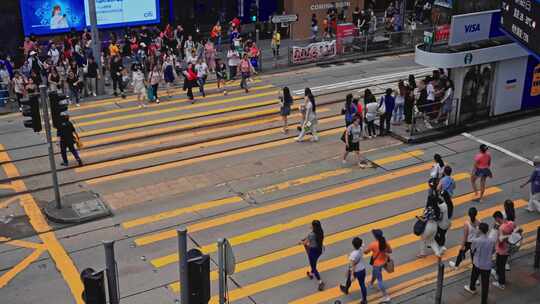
<point>47,122</point>
<point>96,45</point>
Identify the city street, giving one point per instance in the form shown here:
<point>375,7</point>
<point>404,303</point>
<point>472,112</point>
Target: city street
<point>223,168</point>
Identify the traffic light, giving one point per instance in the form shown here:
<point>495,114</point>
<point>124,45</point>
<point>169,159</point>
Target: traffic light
<point>31,109</point>
<point>94,286</point>
<point>254,12</point>
<point>59,104</point>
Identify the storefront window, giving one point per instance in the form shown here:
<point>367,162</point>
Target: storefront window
<point>476,92</point>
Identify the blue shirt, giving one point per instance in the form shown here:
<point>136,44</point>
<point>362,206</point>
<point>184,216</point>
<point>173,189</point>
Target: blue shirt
<point>448,184</point>
<point>389,103</point>
<point>483,248</point>
<point>535,181</point>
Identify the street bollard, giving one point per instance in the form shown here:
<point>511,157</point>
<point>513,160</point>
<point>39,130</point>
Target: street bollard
<point>440,281</point>
<point>112,274</point>
<point>183,265</point>
<point>221,270</point>
<point>537,251</point>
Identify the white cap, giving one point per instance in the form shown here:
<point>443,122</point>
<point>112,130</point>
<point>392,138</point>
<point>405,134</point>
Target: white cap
<point>32,53</point>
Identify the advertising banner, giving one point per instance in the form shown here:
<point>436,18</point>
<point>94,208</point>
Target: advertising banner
<point>344,36</point>
<point>313,52</point>
<point>46,17</point>
<point>444,3</point>
<point>475,27</point>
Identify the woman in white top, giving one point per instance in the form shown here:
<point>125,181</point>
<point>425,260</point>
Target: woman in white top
<point>357,267</point>
<point>470,229</point>
<point>310,121</point>
<point>399,106</point>
<point>442,225</point>
<point>233,60</point>
<point>371,115</point>
<point>139,86</point>
<point>437,170</point>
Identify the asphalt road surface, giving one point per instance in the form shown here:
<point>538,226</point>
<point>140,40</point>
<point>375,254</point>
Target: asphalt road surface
<point>222,167</point>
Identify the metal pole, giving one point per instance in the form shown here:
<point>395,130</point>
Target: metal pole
<point>221,270</point>
<point>537,251</point>
<point>182,252</point>
<point>96,45</point>
<point>440,280</point>
<point>47,122</point>
<point>112,275</point>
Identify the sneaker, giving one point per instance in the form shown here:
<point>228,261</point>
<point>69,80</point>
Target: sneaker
<point>529,209</point>
<point>386,299</point>
<point>468,289</point>
<point>500,286</point>
<point>77,105</point>
<point>452,265</point>
<point>157,101</point>
<point>94,94</point>
<point>343,161</point>
<point>494,274</point>
<point>64,164</point>
<point>321,286</point>
<point>80,163</point>
<point>314,139</point>
<point>343,289</point>
<point>309,275</point>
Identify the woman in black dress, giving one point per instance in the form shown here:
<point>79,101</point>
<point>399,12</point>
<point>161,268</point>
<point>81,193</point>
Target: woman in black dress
<point>285,103</point>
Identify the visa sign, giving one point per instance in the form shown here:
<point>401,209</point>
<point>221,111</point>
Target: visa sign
<point>473,27</point>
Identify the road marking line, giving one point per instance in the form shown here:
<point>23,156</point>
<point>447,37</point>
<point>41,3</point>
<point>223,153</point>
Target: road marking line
<point>499,148</point>
<point>22,243</point>
<point>178,128</point>
<point>306,219</point>
<point>177,118</point>
<point>10,274</point>
<point>180,211</point>
<point>407,268</point>
<point>234,199</point>
<point>8,202</point>
<point>333,173</point>
<point>169,102</point>
<point>63,262</point>
<point>291,276</point>
<point>133,98</point>
<point>142,114</point>
<point>195,160</point>
<point>176,151</point>
<point>283,204</point>
<point>162,140</point>
<point>336,237</point>
<point>6,187</point>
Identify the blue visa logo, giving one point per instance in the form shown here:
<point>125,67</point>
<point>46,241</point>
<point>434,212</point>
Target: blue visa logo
<point>472,28</point>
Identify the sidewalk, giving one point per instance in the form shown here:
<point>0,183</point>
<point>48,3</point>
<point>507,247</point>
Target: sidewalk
<point>521,288</point>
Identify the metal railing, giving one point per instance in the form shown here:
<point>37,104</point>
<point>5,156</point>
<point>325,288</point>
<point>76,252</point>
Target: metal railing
<point>433,116</point>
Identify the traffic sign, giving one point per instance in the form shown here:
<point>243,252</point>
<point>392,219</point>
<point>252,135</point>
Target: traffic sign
<point>284,18</point>
<point>520,19</point>
<point>428,37</point>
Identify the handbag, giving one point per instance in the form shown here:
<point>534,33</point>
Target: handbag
<point>419,227</point>
<point>79,143</point>
<point>389,266</point>
<point>381,110</point>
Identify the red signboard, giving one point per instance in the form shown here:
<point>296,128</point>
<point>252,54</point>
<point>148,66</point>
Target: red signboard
<point>442,32</point>
<point>344,35</point>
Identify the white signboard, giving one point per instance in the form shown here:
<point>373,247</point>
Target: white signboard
<point>470,27</point>
<point>313,52</point>
<point>284,18</point>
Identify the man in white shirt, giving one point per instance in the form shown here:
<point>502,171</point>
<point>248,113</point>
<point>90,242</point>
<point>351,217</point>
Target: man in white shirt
<point>54,53</point>
<point>202,73</point>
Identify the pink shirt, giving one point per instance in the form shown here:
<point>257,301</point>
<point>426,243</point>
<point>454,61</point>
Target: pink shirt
<point>482,160</point>
<point>505,229</point>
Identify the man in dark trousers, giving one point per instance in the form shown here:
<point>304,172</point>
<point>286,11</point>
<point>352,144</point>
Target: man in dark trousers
<point>67,135</point>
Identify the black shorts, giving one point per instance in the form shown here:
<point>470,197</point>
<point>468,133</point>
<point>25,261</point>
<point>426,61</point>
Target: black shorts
<point>353,147</point>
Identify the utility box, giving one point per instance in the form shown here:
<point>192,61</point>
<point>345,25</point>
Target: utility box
<point>94,286</point>
<point>199,278</point>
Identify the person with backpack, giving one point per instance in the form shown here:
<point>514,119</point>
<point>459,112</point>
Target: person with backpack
<point>380,252</point>
<point>482,248</point>
<point>430,218</point>
<point>386,108</point>
<point>534,180</point>
<point>314,244</point>
<point>437,170</point>
<point>470,231</point>
<point>352,137</point>
<point>356,269</point>
<point>504,229</point>
<point>446,187</point>
<point>349,110</point>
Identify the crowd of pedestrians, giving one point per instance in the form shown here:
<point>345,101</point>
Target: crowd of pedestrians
<point>138,60</point>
